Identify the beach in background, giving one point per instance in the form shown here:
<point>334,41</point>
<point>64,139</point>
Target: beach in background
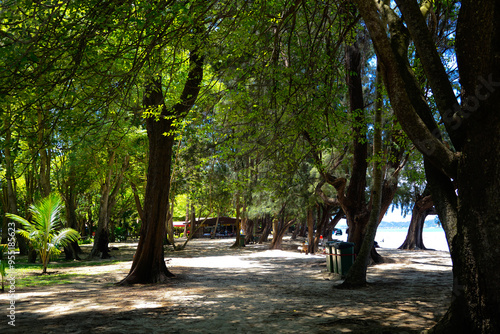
<point>434,237</point>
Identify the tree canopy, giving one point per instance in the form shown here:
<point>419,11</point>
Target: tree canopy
<point>265,109</point>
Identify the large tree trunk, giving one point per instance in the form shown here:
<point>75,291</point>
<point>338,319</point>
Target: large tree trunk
<point>149,263</point>
<point>470,213</point>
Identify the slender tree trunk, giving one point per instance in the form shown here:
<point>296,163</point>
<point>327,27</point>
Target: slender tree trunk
<point>5,235</point>
<point>73,249</point>
<point>266,230</point>
<point>45,187</point>
<point>356,276</point>
<point>238,224</point>
<point>296,231</point>
<point>101,240</point>
<point>170,224</point>
<point>107,203</point>
<point>192,225</point>
<point>422,208</point>
<point>323,217</point>
<point>333,224</point>
<point>11,187</point>
<point>310,231</point>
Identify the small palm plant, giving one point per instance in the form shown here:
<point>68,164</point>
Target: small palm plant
<point>3,264</point>
<point>46,233</point>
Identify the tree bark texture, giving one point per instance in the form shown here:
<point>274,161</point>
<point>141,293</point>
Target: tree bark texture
<point>464,180</point>
<point>148,265</point>
<point>356,277</point>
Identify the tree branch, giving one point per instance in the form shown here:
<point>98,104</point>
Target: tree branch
<point>412,124</point>
<point>434,69</point>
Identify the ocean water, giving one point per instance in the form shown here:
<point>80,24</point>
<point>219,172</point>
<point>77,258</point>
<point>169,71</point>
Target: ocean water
<point>434,237</point>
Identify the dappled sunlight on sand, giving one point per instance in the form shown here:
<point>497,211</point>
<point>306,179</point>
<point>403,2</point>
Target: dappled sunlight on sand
<point>250,290</point>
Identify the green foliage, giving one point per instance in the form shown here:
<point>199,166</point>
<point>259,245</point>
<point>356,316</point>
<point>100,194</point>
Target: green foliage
<point>3,264</point>
<point>44,233</point>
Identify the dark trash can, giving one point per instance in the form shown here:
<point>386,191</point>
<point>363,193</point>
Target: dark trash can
<point>242,240</point>
<point>339,256</point>
<point>344,257</point>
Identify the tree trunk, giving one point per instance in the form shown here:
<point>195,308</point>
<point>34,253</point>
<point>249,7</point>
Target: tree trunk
<point>423,207</point>
<point>310,231</point>
<point>45,187</point>
<point>107,203</point>
<point>354,205</point>
<point>333,224</point>
<point>101,240</point>
<point>192,219</point>
<point>296,231</point>
<point>11,188</point>
<point>73,249</point>
<point>280,230</point>
<point>5,235</point>
<point>470,213</point>
<point>170,224</point>
<point>149,264</point>
<point>237,243</point>
<point>356,276</point>
<point>321,226</point>
<point>266,229</point>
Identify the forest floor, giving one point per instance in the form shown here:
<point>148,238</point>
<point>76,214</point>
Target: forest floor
<point>248,290</point>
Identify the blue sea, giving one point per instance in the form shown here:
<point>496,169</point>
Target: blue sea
<point>434,237</point>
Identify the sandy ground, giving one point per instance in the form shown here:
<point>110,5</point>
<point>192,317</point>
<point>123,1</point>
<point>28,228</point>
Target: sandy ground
<point>250,290</point>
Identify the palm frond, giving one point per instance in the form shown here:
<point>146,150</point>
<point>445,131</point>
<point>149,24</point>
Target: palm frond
<point>26,224</point>
<point>65,236</point>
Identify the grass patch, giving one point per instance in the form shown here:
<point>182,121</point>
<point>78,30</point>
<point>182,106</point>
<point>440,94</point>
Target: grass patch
<point>30,274</point>
<point>29,278</point>
<point>22,263</point>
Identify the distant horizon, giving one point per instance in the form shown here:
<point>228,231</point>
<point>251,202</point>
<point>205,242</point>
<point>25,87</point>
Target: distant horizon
<point>393,216</point>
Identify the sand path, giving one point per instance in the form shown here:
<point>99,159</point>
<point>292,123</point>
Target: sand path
<point>253,290</point>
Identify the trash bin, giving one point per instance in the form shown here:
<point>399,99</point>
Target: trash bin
<point>242,240</point>
<point>344,257</point>
<point>330,256</point>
